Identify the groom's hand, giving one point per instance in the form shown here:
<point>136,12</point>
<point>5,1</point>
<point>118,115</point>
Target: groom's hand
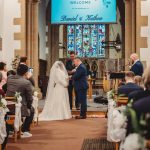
<point>70,77</point>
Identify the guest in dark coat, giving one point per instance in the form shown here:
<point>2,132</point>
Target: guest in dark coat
<point>141,103</point>
<point>9,73</point>
<point>130,86</point>
<point>137,66</point>
<point>19,83</point>
<point>146,81</point>
<point>81,86</point>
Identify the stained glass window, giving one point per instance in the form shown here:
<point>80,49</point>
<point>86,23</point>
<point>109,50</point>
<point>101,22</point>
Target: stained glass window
<point>86,40</point>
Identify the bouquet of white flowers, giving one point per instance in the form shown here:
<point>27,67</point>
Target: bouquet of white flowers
<point>3,103</point>
<point>18,97</point>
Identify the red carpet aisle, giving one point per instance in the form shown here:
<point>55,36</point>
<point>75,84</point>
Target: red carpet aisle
<point>62,135</point>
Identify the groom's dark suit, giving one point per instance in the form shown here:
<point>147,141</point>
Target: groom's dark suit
<point>81,86</point>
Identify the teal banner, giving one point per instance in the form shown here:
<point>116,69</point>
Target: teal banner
<point>83,11</point>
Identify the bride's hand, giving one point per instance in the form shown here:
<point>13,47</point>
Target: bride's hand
<point>70,77</point>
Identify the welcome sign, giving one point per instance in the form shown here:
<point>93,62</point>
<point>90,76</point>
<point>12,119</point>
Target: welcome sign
<point>83,11</point>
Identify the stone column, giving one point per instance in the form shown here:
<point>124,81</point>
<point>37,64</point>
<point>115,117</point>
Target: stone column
<point>35,41</point>
<point>28,32</point>
<point>130,27</point>
<point>32,37</point>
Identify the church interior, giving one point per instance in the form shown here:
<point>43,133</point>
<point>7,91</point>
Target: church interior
<point>104,48</point>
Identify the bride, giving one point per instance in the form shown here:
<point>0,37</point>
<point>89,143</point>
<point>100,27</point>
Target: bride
<point>57,100</point>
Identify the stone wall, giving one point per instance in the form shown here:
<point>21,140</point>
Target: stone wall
<point>114,29</point>
<point>42,30</point>
<point>145,31</point>
<point>9,9</point>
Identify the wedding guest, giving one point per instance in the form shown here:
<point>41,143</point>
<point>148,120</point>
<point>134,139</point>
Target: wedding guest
<point>3,70</point>
<point>137,66</point>
<point>130,86</point>
<point>138,80</point>
<point>94,69</point>
<point>146,82</point>
<point>19,83</point>
<point>70,66</point>
<point>142,103</point>
<point>24,61</point>
<point>81,86</point>
<point>9,73</point>
<point>1,76</point>
<point>2,93</point>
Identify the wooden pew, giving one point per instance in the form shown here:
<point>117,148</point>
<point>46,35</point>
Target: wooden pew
<point>122,101</point>
<point>11,118</point>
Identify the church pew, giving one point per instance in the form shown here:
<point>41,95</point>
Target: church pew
<point>122,101</point>
<point>11,118</point>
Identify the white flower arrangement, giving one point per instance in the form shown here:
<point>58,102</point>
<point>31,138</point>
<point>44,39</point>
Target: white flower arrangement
<point>133,142</point>
<point>18,97</point>
<point>110,95</point>
<point>35,94</point>
<point>3,103</point>
<point>15,62</point>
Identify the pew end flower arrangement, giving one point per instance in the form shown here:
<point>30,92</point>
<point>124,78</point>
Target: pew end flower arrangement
<point>15,62</point>
<point>3,103</point>
<point>136,140</point>
<point>18,97</point>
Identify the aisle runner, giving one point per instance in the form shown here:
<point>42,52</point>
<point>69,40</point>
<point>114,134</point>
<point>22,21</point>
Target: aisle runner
<point>97,144</point>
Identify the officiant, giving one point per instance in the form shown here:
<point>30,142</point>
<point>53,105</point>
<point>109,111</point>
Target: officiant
<point>70,69</point>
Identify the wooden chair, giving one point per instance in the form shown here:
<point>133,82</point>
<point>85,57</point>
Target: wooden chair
<point>11,118</point>
<point>106,85</point>
<point>90,90</point>
<point>0,147</point>
<point>122,101</point>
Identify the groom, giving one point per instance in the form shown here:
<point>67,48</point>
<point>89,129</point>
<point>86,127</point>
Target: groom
<point>81,86</point>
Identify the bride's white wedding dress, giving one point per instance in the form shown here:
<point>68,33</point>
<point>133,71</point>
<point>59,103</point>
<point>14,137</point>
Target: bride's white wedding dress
<point>57,101</point>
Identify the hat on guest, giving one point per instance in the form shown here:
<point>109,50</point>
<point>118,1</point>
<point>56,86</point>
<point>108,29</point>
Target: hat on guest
<point>22,69</point>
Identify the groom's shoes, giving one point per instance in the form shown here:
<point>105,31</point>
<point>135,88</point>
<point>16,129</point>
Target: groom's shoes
<point>80,117</point>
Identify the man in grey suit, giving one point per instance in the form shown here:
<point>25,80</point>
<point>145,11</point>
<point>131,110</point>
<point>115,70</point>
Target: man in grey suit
<point>19,83</point>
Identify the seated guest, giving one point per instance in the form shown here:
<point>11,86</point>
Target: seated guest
<point>10,72</point>
<point>142,103</point>
<point>138,80</point>
<point>3,70</point>
<point>146,82</point>
<point>130,86</point>
<point>137,66</point>
<point>2,93</point>
<point>19,83</point>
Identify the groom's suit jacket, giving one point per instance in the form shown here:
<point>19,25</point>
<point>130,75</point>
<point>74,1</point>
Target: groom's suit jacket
<point>80,78</point>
